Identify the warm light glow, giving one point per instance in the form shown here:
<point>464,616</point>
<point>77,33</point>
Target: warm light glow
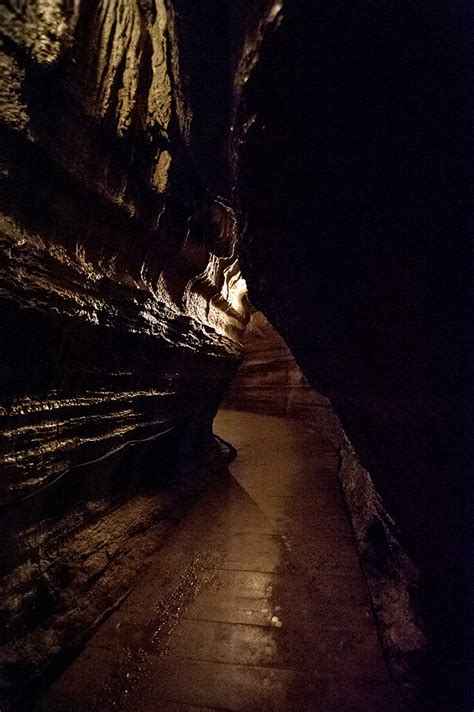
<point>237,291</point>
<point>276,8</point>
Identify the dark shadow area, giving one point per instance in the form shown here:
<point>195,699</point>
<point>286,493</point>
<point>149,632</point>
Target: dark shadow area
<point>355,184</point>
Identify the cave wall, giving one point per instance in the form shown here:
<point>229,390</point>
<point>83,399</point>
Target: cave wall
<point>354,178</point>
<point>269,380</point>
<point>122,302</point>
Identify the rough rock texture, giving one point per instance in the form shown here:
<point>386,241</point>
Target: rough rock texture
<point>269,381</point>
<point>121,297</point>
<point>106,229</point>
<point>354,179</point>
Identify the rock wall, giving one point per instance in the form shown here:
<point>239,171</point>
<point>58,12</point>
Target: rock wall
<point>121,297</point>
<point>268,379</point>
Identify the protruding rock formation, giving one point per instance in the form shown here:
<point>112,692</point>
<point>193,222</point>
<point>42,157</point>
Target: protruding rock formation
<point>122,301</point>
<point>269,380</point>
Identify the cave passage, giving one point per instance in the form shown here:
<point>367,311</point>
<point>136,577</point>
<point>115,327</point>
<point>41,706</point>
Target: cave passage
<point>167,168</point>
<point>256,601</point>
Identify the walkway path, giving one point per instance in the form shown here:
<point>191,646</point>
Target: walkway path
<point>256,602</point>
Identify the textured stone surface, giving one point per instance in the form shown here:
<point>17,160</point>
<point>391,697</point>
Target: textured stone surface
<point>269,379</point>
<point>121,299</point>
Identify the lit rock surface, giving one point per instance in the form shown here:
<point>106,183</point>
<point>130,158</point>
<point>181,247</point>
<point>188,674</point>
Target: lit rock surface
<point>269,379</point>
<point>122,302</point>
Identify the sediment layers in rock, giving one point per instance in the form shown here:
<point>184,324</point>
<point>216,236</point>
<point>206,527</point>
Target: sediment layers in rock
<point>123,126</point>
<point>122,302</point>
<point>269,379</point>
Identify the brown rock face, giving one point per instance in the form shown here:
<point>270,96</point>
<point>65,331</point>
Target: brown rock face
<point>269,379</point>
<point>121,300</point>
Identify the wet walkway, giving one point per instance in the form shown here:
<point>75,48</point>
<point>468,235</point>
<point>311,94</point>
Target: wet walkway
<point>256,601</point>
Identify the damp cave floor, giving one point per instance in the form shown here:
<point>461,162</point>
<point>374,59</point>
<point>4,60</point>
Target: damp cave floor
<point>256,601</point>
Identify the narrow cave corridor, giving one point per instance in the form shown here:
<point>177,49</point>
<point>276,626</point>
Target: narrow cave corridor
<point>236,348</point>
<point>257,600</point>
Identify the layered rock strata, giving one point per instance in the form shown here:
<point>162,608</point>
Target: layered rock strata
<point>122,301</point>
<point>269,380</point>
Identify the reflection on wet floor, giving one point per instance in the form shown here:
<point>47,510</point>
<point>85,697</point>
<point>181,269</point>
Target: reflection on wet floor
<point>256,601</point>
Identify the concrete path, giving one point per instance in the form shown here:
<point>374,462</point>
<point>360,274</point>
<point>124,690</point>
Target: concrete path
<point>256,601</point>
